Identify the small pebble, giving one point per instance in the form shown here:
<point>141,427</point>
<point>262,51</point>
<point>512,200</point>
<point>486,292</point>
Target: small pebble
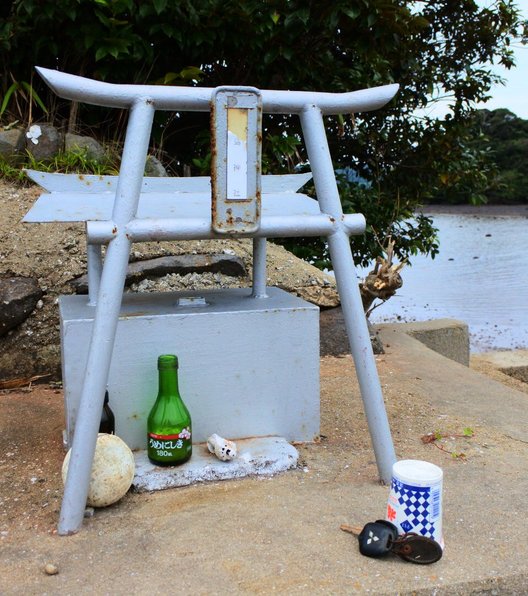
<point>51,569</point>
<point>89,512</point>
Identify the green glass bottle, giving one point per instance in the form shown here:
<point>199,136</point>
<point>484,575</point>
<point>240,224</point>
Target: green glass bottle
<point>169,422</point>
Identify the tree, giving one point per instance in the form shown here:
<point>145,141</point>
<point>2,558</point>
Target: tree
<point>505,137</point>
<point>434,48</point>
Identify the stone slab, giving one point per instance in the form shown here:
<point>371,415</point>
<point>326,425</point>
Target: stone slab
<point>447,337</point>
<point>263,456</point>
<point>181,264</point>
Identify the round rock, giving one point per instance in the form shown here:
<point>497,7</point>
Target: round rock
<point>112,471</point>
<point>51,569</point>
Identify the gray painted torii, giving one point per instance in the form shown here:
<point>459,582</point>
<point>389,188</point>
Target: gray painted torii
<point>274,218</point>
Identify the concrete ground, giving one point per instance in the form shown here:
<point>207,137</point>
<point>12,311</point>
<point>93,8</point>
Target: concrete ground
<point>281,534</point>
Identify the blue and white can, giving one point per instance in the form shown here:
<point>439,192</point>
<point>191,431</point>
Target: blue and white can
<point>415,499</point>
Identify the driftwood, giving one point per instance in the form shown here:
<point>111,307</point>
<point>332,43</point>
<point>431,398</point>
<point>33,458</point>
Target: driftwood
<point>20,382</point>
<point>383,281</point>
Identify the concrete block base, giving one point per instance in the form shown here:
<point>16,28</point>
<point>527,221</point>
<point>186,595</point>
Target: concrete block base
<point>264,456</point>
<point>448,337</point>
<point>249,367</point>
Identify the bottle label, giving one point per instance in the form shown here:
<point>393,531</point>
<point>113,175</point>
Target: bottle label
<point>166,447</point>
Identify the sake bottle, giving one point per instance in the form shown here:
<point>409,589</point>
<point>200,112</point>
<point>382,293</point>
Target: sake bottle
<point>169,422</point>
<point>107,424</point>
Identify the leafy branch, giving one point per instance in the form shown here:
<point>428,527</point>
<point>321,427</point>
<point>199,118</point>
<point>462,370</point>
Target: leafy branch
<point>435,438</point>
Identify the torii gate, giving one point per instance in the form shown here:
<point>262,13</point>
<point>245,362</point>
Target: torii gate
<point>237,206</point>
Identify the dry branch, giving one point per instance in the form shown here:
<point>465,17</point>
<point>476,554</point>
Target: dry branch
<point>383,281</point>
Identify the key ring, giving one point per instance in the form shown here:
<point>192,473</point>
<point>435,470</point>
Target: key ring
<point>377,539</point>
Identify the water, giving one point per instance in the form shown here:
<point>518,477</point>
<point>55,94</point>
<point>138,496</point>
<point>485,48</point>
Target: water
<point>479,277</point>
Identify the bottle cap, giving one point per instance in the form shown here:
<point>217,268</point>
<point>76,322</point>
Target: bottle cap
<point>167,361</point>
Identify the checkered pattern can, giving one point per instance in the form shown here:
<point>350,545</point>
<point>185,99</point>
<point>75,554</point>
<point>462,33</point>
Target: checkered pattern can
<point>415,499</point>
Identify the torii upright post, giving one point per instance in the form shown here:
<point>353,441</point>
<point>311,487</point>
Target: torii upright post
<point>346,278</point>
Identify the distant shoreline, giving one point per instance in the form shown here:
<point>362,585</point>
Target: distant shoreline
<point>520,210</point>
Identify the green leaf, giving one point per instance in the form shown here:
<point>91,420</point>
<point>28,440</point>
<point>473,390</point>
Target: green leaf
<point>105,20</point>
<point>159,5</point>
<point>117,22</point>
<point>169,78</point>
<point>12,88</point>
<point>168,30</point>
<point>145,10</point>
<point>352,13</point>
<point>304,15</point>
<point>71,13</point>
<point>34,96</point>
<point>421,22</point>
<point>275,17</point>
<point>101,53</point>
<point>190,73</point>
<point>468,432</point>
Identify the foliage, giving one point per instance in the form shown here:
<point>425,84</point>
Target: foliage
<point>28,97</point>
<point>505,137</point>
<point>434,49</point>
<point>11,172</point>
<point>439,440</point>
<point>66,162</point>
<point>76,161</point>
<point>414,231</point>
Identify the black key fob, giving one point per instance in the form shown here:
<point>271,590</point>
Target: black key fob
<point>376,538</point>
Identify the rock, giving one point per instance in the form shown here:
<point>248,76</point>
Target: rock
<point>325,297</point>
<point>93,149</point>
<point>12,144</point>
<point>377,345</point>
<point>154,168</point>
<point>334,338</point>
<point>51,569</point>
<point>112,471</point>
<point>18,298</point>
<point>43,141</point>
<point>182,264</point>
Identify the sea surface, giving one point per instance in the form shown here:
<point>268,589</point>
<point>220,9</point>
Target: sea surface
<point>480,277</point>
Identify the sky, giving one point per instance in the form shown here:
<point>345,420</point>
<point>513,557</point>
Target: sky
<point>514,94</point>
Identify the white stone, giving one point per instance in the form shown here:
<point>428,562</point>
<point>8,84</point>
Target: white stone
<point>34,133</point>
<point>112,471</point>
<point>223,449</point>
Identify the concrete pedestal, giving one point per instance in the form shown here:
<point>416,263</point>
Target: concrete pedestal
<point>249,367</point>
<point>265,456</point>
